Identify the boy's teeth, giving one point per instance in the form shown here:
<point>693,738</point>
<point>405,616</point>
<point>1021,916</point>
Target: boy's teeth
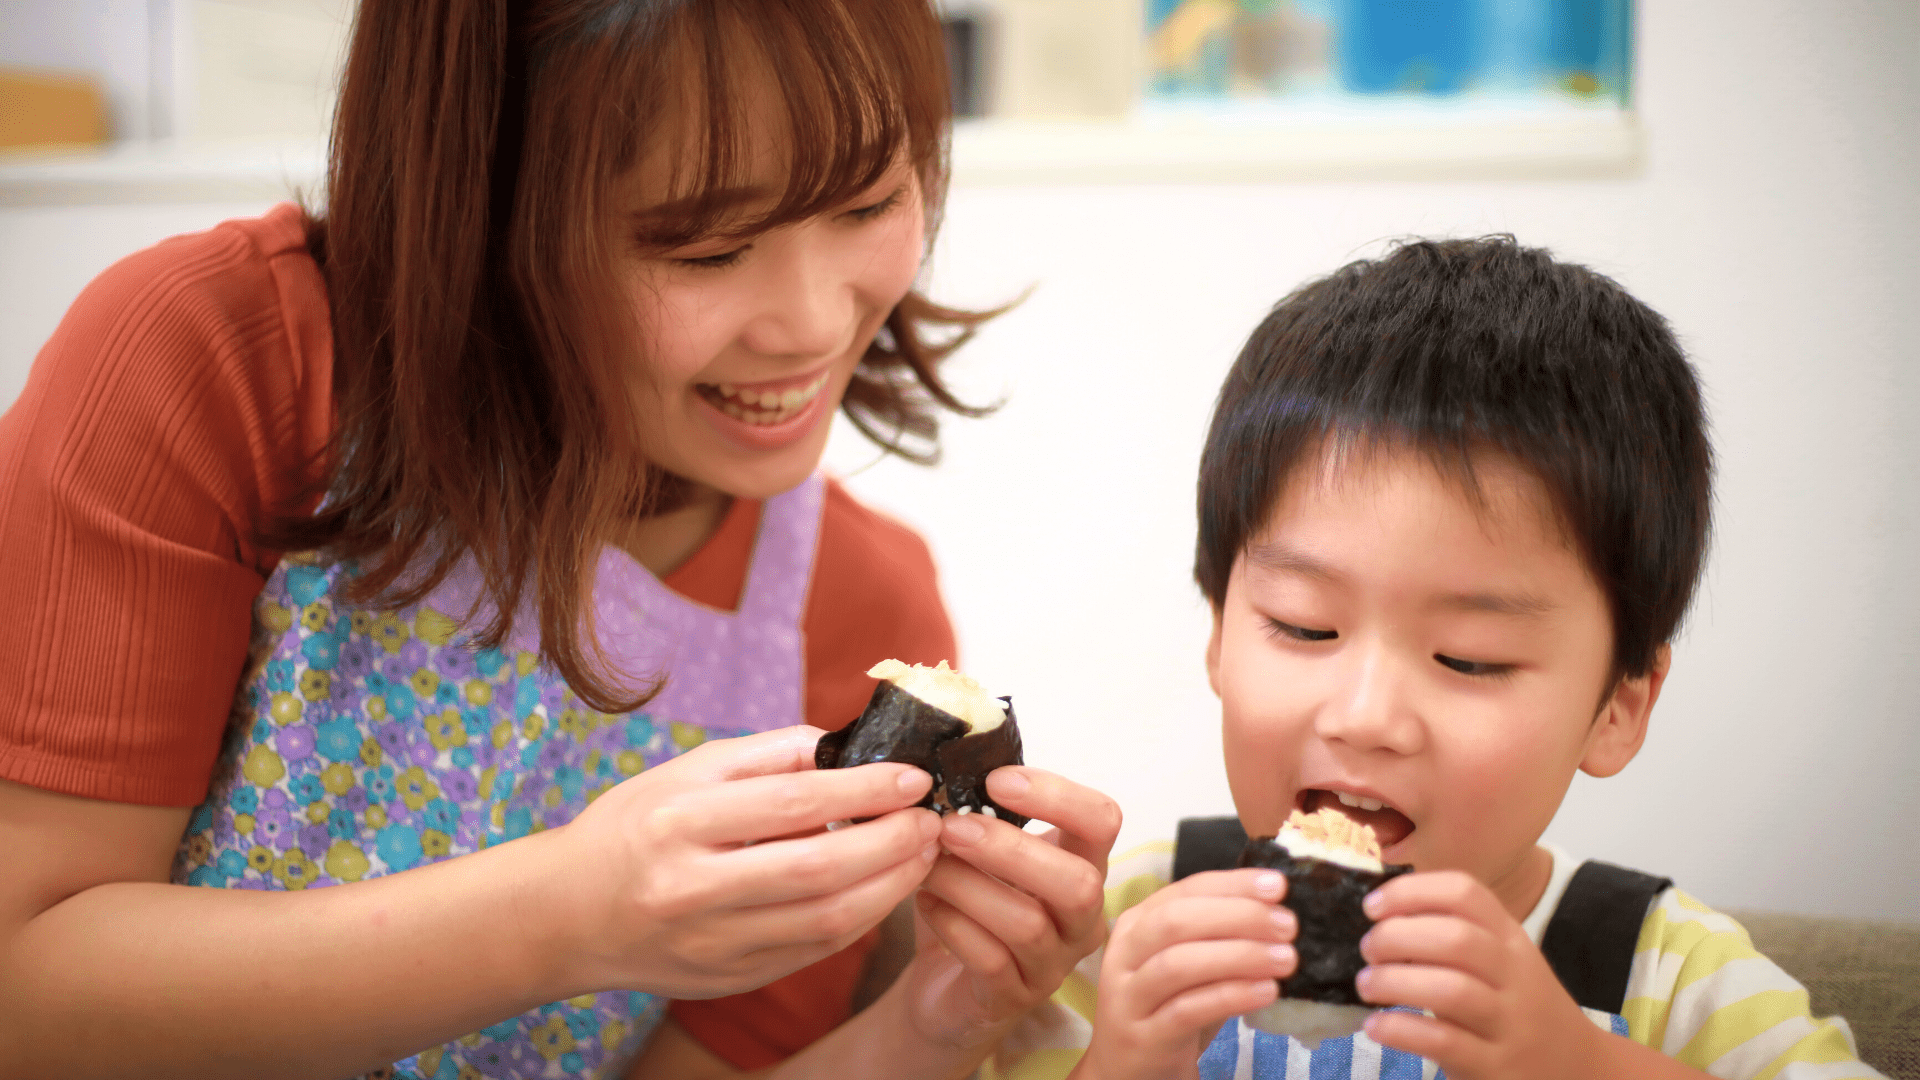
<point>1360,801</point>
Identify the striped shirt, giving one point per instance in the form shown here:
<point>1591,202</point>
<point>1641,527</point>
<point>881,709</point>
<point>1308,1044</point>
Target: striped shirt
<point>1698,992</point>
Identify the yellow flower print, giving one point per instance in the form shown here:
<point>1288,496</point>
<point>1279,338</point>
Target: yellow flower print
<point>630,762</point>
<point>499,815</point>
<point>294,871</point>
<point>612,1034</point>
<point>416,788</point>
<point>285,708</point>
<point>263,766</point>
<point>346,862</point>
<point>376,817</point>
<point>199,848</point>
<point>243,824</point>
<point>276,618</point>
<point>595,794</point>
<point>337,778</point>
<point>430,1061</point>
<point>479,693</point>
<point>584,1001</point>
<point>468,1072</point>
<point>592,764</point>
<point>425,682</point>
<point>551,797</point>
<point>434,628</point>
<point>526,663</point>
<point>688,736</point>
<point>552,1038</point>
<point>533,726</point>
<point>317,812</point>
<point>376,707</point>
<point>259,858</point>
<point>314,616</point>
<point>502,734</point>
<point>315,685</point>
<point>486,780</point>
<point>390,632</point>
<point>446,730</point>
<point>434,842</point>
<point>369,753</point>
<point>572,723</point>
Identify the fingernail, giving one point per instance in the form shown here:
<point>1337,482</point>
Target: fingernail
<point>1361,980</point>
<point>1267,886</point>
<point>1010,781</point>
<point>1282,955</point>
<point>1372,905</point>
<point>914,781</point>
<point>963,829</point>
<point>929,826</point>
<point>930,853</point>
<point>1284,921</point>
<point>1364,946</point>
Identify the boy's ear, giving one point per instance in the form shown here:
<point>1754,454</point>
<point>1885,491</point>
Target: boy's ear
<point>1622,724</point>
<point>1213,655</point>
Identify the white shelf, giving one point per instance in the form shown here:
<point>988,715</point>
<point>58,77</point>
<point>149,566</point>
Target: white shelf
<point>1600,144</point>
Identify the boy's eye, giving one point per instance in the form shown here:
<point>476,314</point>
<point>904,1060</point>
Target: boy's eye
<point>868,213</point>
<point>1276,628</point>
<point>1473,667</point>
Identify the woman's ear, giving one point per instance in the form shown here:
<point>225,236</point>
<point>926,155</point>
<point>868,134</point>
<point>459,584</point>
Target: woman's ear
<point>1621,726</point>
<point>1213,655</point>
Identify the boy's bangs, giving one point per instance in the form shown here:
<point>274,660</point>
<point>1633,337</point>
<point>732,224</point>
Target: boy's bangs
<point>837,93</point>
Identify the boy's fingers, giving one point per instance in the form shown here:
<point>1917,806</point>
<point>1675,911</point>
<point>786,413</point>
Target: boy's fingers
<point>1440,940</point>
<point>1424,1036</point>
<point>760,807</point>
<point>1191,964</point>
<point>1437,892</point>
<point>1203,1010</point>
<point>815,865</point>
<point>1088,820</point>
<point>1143,932</point>
<point>1068,885</point>
<point>1451,995</point>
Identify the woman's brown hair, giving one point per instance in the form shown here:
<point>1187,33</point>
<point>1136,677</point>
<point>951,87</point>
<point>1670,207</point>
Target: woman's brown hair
<point>479,333</point>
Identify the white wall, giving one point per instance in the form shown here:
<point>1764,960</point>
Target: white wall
<point>1775,225</point>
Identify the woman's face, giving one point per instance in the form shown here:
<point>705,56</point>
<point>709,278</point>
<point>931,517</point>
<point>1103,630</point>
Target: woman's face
<point>748,343</point>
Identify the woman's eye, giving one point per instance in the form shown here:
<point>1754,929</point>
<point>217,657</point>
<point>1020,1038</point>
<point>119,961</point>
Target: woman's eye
<point>868,213</point>
<point>1473,667</point>
<point>1276,628</point>
<point>725,258</point>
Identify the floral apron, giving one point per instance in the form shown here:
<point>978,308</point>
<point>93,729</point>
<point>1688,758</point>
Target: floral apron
<point>368,742</point>
<point>1241,1052</point>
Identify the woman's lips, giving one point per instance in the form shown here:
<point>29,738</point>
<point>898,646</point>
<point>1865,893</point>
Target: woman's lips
<point>767,415</point>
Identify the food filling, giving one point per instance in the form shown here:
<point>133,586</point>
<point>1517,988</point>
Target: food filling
<point>752,406</point>
<point>1330,836</point>
<point>1389,825</point>
<point>952,692</point>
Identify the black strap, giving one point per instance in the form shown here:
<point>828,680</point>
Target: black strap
<point>1591,938</point>
<point>1211,843</point>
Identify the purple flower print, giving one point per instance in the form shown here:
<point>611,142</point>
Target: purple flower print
<point>255,884</point>
<point>295,743</point>
<point>422,752</point>
<point>459,785</point>
<point>314,840</point>
<point>493,1059</point>
<point>356,659</point>
<point>355,801</point>
<point>412,655</point>
<point>274,798</point>
<point>553,752</point>
<point>553,696</point>
<point>455,663</point>
<point>393,741</point>
<point>271,825</point>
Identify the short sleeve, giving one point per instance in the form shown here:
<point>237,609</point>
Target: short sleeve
<point>177,402</point>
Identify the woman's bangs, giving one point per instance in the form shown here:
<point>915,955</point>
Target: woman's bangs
<point>820,99</point>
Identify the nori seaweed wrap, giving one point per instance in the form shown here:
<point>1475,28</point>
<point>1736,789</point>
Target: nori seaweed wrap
<point>1325,895</point>
<point>957,751</point>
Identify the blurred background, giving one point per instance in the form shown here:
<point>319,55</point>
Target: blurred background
<point>1159,173</point>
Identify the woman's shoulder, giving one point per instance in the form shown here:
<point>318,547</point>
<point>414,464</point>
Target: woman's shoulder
<point>868,550</point>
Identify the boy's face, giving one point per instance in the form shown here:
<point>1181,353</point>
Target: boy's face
<point>1384,637</point>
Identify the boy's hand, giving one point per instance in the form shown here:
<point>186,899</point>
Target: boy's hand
<point>1180,964</point>
<point>1445,943</point>
<point>1004,914</point>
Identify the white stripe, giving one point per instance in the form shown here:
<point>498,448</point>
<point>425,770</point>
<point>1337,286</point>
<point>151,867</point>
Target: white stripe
<point>1832,1070</point>
<point>1757,1053</point>
<point>1429,1069</point>
<point>1297,1060</point>
<point>1366,1058</point>
<point>1243,1056</point>
<point>1670,903</point>
<point>1735,981</point>
<point>1653,974</point>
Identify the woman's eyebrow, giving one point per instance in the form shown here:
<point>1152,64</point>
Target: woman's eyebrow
<point>704,202</point>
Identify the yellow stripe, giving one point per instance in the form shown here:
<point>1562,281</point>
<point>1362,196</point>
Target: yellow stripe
<point>1151,847</point>
<point>1828,1044</point>
<point>1736,1022</point>
<point>1078,993</point>
<point>1131,891</point>
<point>1646,1020</point>
<point>1035,1065</point>
<point>1709,955</point>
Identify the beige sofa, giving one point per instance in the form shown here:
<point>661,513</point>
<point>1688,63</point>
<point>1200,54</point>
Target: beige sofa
<point>1866,971</point>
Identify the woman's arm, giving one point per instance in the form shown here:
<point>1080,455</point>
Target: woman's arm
<point>107,970</point>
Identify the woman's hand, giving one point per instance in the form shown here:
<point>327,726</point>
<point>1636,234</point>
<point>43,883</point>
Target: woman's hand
<point>684,890</point>
<point>1181,963</point>
<point>1006,914</point>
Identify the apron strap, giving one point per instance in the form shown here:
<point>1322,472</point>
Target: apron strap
<point>782,564</point>
<point>1591,938</point>
<point>1211,843</point>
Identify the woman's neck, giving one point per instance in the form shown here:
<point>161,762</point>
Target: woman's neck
<point>663,542</point>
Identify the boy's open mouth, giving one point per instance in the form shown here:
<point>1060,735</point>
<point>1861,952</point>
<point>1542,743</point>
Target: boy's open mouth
<point>1389,826</point>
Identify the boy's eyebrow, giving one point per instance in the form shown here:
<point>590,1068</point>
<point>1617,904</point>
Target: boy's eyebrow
<point>1275,556</point>
<point>1525,605</point>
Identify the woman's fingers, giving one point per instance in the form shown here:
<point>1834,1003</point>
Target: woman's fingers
<point>1067,884</point>
<point>1088,820</point>
<point>788,749</point>
<point>816,865</point>
<point>1018,921</point>
<point>759,807</point>
<point>984,955</point>
<point>835,919</point>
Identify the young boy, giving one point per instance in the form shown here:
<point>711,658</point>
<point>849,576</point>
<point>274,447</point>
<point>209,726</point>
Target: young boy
<point>1453,506</point>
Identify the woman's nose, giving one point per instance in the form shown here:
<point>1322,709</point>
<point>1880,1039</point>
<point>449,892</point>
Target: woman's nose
<point>806,307</point>
<point>1372,709</point>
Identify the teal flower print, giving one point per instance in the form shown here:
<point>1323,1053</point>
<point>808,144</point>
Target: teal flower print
<point>231,863</point>
<point>399,846</point>
<point>245,799</point>
<point>338,740</point>
<point>321,651</point>
<point>306,584</point>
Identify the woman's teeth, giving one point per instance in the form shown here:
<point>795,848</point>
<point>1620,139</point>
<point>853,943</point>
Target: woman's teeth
<point>1359,801</point>
<point>770,407</point>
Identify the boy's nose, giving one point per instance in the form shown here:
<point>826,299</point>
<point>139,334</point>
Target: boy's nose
<point>1371,710</point>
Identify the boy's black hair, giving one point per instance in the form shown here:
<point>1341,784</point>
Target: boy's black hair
<point>1456,346</point>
